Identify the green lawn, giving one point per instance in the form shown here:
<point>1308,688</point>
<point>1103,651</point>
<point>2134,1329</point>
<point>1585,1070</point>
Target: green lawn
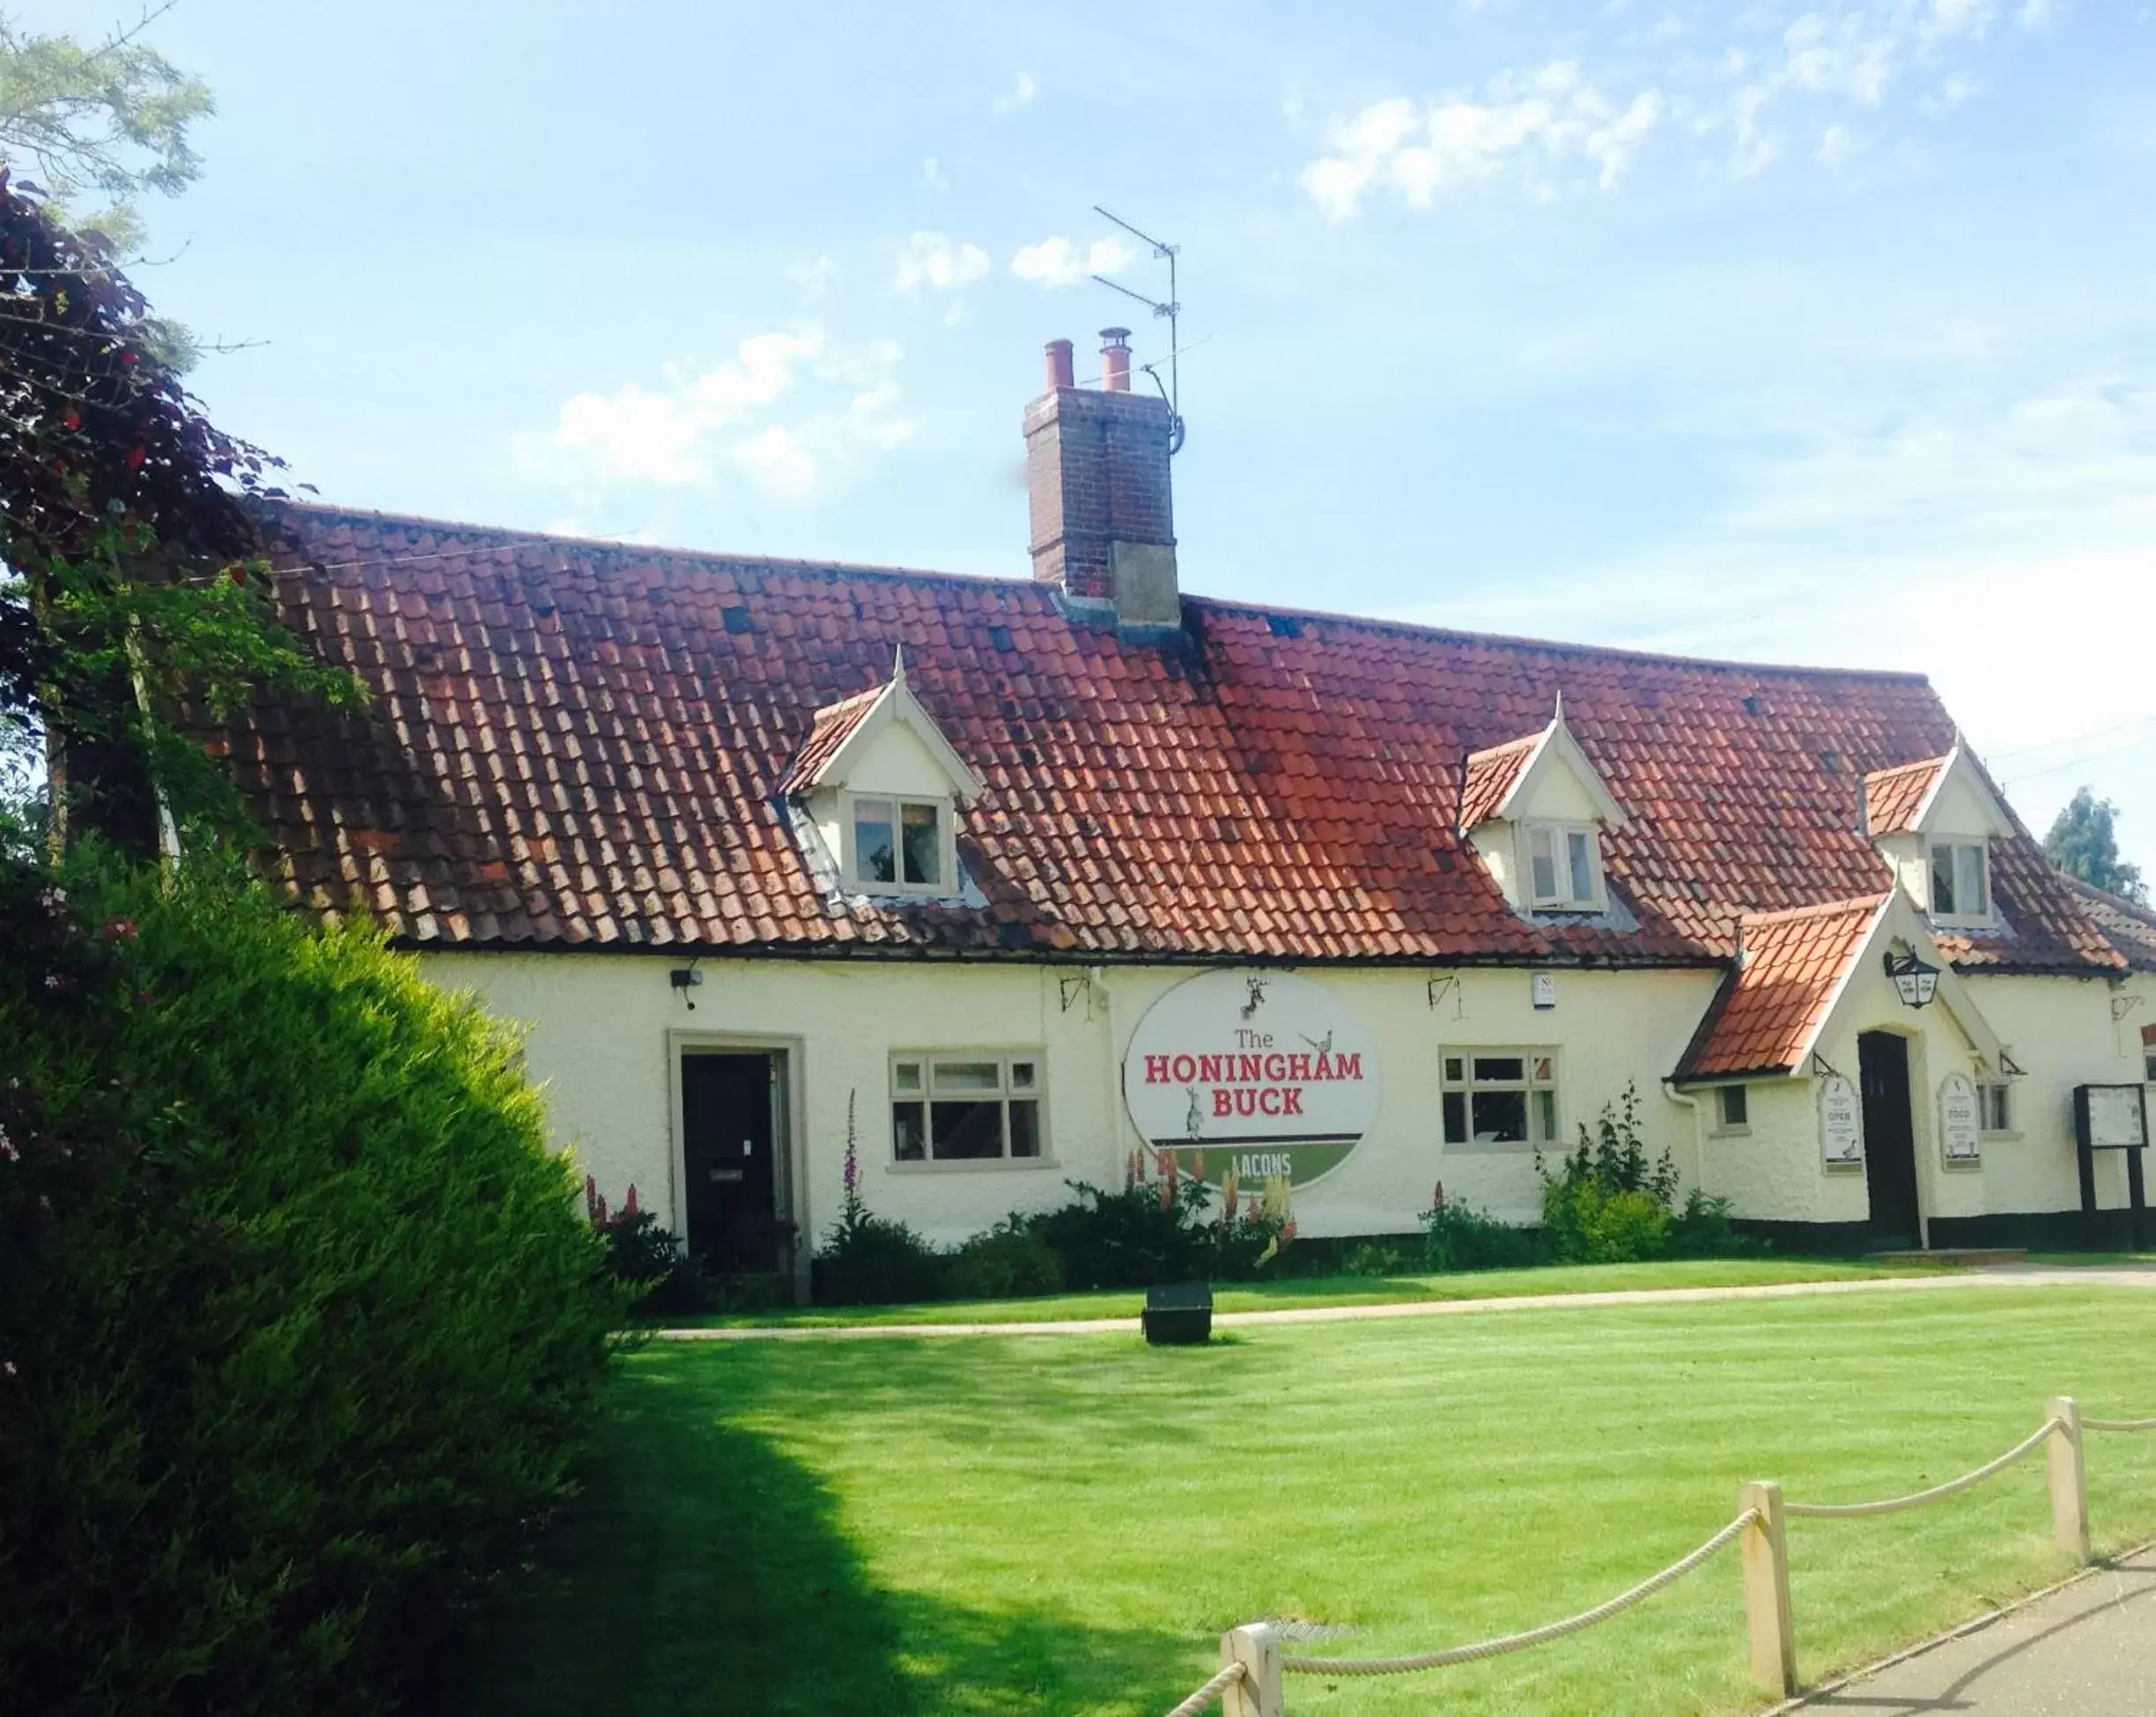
<point>1312,1290</point>
<point>1063,1523</point>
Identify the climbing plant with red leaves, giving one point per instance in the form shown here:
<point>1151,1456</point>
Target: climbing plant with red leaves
<point>131,592</point>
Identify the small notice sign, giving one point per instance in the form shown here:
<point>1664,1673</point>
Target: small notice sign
<point>1840,1118</point>
<point>1960,1126</point>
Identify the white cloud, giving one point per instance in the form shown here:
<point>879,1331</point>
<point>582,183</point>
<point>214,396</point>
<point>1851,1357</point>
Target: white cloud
<point>1746,103</point>
<point>932,259</point>
<point>1020,94</point>
<point>1544,121</point>
<point>1838,146</point>
<point>1958,18</point>
<point>932,174</point>
<point>1839,56</point>
<point>1058,262</point>
<point>706,425</point>
<point>815,275</point>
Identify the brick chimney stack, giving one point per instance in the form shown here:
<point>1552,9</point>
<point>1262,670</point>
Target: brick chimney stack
<point>1096,477</point>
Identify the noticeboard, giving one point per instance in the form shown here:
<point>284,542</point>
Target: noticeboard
<point>2111,1118</point>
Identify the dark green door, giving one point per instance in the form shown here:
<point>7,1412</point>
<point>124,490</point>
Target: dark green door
<point>1890,1141</point>
<point>728,1162</point>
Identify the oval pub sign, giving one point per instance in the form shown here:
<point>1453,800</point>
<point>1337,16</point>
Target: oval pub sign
<point>1250,1072</point>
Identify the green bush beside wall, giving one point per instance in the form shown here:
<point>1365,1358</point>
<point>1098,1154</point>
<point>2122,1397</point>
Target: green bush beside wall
<point>299,1327</point>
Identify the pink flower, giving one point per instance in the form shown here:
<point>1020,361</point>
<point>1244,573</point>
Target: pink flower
<point>118,930</point>
<point>630,1208</point>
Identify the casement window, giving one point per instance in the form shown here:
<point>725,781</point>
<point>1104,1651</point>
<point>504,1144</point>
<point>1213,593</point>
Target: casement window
<point>1499,1096</point>
<point>1994,1105</point>
<point>1960,881</point>
<point>1564,868</point>
<point>900,845</point>
<point>1732,1109</point>
<point>966,1106</point>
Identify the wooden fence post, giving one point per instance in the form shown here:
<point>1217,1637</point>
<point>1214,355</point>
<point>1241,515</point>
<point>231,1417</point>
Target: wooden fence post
<point>1764,1550</point>
<point>2068,1478</point>
<point>1257,1648</point>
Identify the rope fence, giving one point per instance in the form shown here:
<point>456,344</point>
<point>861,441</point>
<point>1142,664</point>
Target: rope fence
<point>1202,1699</point>
<point>1849,1511</point>
<point>1250,1682</point>
<point>1513,1642</point>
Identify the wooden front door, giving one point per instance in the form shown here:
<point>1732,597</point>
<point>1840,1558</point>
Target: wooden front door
<point>728,1160</point>
<point>1890,1141</point>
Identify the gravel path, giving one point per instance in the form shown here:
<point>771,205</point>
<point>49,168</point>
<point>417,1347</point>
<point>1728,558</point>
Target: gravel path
<point>2018,1275</point>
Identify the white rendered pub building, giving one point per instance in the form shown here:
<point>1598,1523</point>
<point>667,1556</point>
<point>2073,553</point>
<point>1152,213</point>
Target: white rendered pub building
<point>1001,880</point>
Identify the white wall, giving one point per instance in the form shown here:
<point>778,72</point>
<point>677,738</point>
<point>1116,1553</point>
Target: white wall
<point>2060,1030</point>
<point>602,1028</point>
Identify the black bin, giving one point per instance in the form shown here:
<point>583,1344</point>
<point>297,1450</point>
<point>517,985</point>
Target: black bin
<point>1180,1315</point>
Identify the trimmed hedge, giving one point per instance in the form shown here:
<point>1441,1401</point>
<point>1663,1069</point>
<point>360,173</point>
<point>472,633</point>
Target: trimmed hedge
<point>299,1328</point>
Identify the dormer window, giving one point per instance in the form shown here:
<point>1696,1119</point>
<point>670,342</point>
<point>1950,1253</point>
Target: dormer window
<point>1534,809</point>
<point>1564,871</point>
<point>1961,882</point>
<point>878,790</point>
<point>898,845</point>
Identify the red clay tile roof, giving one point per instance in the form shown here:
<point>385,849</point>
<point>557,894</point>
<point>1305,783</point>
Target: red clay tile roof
<point>575,743</point>
<point>833,723</point>
<point>1893,797</point>
<point>2129,928</point>
<point>1770,1007</point>
<point>1490,776</point>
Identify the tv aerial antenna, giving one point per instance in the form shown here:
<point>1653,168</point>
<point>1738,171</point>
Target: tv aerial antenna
<point>1171,389</point>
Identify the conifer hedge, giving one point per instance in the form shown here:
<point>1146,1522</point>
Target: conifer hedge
<point>298,1328</point>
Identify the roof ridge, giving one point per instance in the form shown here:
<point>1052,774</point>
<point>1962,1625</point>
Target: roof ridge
<point>2118,902</point>
<point>1824,909</point>
<point>855,569</point>
<point>1508,745</point>
<point>621,545</point>
<point>1903,769</point>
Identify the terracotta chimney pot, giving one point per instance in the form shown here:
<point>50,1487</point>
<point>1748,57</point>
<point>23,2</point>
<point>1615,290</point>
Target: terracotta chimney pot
<point>1115,359</point>
<point>1059,372</point>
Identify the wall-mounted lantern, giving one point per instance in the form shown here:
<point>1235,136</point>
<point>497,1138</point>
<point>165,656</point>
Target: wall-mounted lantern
<point>1915,980</point>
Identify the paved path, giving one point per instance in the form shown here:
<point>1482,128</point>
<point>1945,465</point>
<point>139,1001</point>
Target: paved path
<point>2019,1275</point>
<point>2086,1650</point>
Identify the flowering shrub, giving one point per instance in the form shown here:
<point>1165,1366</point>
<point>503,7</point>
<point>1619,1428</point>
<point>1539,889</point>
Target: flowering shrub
<point>1461,1237</point>
<point>299,1330</point>
<point>869,1260</point>
<point>1611,1203</point>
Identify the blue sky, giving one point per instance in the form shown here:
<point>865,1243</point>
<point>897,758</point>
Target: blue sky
<point>1809,332</point>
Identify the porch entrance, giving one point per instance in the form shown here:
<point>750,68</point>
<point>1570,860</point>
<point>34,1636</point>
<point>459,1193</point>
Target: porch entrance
<point>730,1130</point>
<point>1890,1141</point>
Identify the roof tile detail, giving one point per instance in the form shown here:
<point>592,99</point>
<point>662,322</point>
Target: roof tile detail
<point>1893,797</point>
<point>1774,1003</point>
<point>578,744</point>
<point>1490,776</point>
<point>2129,927</point>
<point>833,724</point>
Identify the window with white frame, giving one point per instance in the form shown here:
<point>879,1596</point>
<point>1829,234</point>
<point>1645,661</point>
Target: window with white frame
<point>1732,1109</point>
<point>900,844</point>
<point>1499,1096</point>
<point>1564,867</point>
<point>966,1106</point>
<point>1994,1105</point>
<point>1960,880</point>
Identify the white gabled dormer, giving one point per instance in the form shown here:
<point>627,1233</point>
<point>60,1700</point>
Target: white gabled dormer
<point>882,789</point>
<point>1933,821</point>
<point>1534,809</point>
